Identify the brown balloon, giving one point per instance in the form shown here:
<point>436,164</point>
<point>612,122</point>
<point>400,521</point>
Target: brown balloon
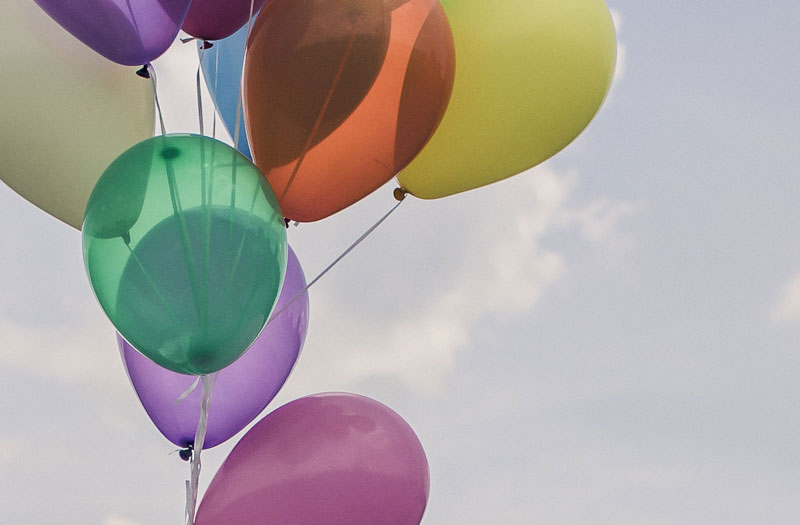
<point>341,94</point>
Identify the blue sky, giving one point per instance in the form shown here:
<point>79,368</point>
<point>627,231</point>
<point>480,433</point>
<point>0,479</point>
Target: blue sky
<point>611,337</point>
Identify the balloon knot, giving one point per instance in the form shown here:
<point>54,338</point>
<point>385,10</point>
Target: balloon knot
<point>206,45</point>
<point>126,237</point>
<point>143,72</point>
<point>189,39</point>
<point>286,221</point>
<point>400,194</point>
<point>186,453</point>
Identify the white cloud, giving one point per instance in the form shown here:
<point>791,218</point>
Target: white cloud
<point>494,271</point>
<point>81,352</point>
<point>787,309</point>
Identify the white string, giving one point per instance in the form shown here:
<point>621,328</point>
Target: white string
<point>199,93</point>
<point>188,390</point>
<point>335,261</point>
<point>197,448</point>
<point>152,73</point>
<point>216,77</point>
<point>241,88</point>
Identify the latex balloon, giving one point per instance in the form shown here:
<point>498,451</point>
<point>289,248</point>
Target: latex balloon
<point>189,270</point>
<point>332,112</point>
<point>222,70</point>
<point>337,459</point>
<point>530,77</point>
<point>66,113</point>
<point>242,390</point>
<point>125,31</point>
<point>217,19</point>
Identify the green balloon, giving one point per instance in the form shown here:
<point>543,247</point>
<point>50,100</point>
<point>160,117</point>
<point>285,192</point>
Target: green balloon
<point>185,247</point>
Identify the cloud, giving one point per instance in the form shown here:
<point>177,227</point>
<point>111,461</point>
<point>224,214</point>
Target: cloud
<point>80,351</point>
<point>494,264</point>
<point>787,309</point>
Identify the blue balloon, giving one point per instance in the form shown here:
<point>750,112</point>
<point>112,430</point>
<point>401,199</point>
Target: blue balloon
<point>222,66</point>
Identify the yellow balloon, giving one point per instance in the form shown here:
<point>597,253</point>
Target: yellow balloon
<point>530,75</point>
<point>65,112</point>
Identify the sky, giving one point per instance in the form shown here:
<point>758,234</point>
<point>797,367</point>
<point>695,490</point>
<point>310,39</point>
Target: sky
<point>611,337</point>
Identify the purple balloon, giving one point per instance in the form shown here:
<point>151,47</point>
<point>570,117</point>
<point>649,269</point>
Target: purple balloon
<point>337,459</point>
<point>242,390</point>
<point>129,32</point>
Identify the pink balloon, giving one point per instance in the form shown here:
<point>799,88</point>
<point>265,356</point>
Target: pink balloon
<point>217,19</point>
<point>333,459</point>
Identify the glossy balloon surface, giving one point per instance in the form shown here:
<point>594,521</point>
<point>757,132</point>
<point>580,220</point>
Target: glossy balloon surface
<point>222,70</point>
<point>531,75</point>
<point>129,32</point>
<point>337,459</point>
<point>242,390</point>
<point>339,96</point>
<point>185,247</point>
<point>66,112</point>
<point>217,19</point>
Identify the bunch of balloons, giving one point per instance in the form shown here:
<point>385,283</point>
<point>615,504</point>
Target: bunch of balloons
<point>184,237</point>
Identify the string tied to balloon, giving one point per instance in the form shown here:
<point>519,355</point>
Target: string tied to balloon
<point>196,448</point>
<point>342,255</point>
<point>147,71</point>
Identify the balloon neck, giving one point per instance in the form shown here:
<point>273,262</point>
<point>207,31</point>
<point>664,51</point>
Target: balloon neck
<point>400,194</point>
<point>143,72</point>
<point>186,453</point>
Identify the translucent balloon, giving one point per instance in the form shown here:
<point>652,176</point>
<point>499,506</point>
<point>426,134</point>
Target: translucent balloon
<point>217,19</point>
<point>337,459</point>
<point>531,75</point>
<point>185,247</point>
<point>339,96</point>
<point>222,70</point>
<point>125,31</point>
<point>242,390</point>
<point>66,112</point>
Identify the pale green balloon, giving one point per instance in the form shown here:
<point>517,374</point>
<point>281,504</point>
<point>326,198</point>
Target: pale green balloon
<point>530,75</point>
<point>65,112</point>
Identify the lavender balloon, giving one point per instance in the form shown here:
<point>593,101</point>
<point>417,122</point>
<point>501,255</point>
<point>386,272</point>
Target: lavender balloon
<point>337,459</point>
<point>129,32</point>
<point>242,390</point>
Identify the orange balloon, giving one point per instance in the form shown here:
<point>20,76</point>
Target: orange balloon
<point>341,94</point>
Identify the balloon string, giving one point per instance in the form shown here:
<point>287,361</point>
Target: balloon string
<point>323,110</point>
<point>185,241</point>
<point>152,74</point>
<point>188,390</point>
<point>199,93</point>
<point>197,448</point>
<point>216,76</point>
<point>236,141</point>
<point>241,88</point>
<point>336,261</point>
